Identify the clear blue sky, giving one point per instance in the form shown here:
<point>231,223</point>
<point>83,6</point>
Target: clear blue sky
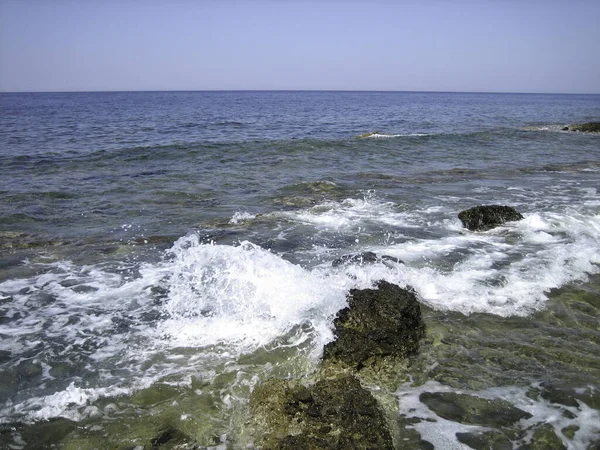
<point>452,45</point>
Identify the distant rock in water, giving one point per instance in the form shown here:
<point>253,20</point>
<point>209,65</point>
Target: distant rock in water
<point>368,135</point>
<point>364,258</point>
<point>377,323</point>
<point>590,127</point>
<point>332,414</point>
<point>486,217</point>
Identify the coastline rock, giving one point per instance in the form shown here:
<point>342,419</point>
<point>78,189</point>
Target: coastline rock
<point>486,217</point>
<point>331,414</point>
<point>590,127</point>
<point>364,258</point>
<point>380,322</point>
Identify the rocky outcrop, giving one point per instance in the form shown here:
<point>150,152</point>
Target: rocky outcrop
<point>377,323</point>
<point>486,217</point>
<point>590,127</point>
<point>331,414</point>
<point>336,411</point>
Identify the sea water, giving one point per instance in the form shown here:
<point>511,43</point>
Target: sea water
<point>163,252</point>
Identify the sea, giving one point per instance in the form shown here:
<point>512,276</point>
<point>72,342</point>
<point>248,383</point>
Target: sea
<point>163,253</point>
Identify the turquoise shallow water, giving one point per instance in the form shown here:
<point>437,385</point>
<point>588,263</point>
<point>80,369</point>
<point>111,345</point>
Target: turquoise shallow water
<point>177,247</point>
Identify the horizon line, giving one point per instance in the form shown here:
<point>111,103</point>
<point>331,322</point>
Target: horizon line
<point>292,90</point>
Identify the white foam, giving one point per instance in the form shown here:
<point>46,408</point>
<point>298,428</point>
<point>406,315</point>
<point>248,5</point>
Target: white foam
<point>352,213</point>
<point>73,403</point>
<point>442,432</point>
<point>242,296</point>
<point>240,217</point>
<point>386,135</point>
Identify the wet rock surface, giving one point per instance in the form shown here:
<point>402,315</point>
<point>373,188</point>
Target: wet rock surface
<point>471,410</point>
<point>493,440</point>
<point>377,323</point>
<point>544,437</point>
<point>333,413</point>
<point>486,217</point>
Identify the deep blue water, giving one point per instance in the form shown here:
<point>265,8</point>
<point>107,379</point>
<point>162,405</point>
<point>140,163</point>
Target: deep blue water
<point>137,224</point>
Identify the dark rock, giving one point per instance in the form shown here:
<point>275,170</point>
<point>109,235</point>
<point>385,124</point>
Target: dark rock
<point>486,217</point>
<point>555,394</point>
<point>568,396</point>
<point>69,282</point>
<point>331,414</point>
<point>590,127</point>
<point>84,289</point>
<point>489,440</point>
<point>565,128</point>
<point>377,323</point>
<point>364,258</point>
<point>473,410</point>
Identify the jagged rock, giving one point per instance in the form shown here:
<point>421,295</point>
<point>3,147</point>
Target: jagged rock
<point>331,414</point>
<point>590,127</point>
<point>486,217</point>
<point>364,258</point>
<point>380,322</point>
<point>472,410</point>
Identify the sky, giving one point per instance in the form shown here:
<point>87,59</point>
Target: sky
<point>550,46</point>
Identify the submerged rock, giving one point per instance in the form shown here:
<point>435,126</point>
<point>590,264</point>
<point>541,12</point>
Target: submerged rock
<point>472,410</point>
<point>494,440</point>
<point>590,127</point>
<point>377,323</point>
<point>364,258</point>
<point>331,414</point>
<point>544,437</point>
<point>486,217</point>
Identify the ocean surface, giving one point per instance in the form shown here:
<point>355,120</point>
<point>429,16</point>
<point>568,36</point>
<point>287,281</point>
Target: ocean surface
<point>161,253</point>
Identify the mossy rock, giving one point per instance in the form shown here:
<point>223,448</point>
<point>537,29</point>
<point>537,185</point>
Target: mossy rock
<point>544,438</point>
<point>331,414</point>
<point>471,410</point>
<point>486,217</point>
<point>378,323</point>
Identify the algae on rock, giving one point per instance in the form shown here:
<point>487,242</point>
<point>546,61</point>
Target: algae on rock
<point>378,323</point>
<point>331,414</point>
